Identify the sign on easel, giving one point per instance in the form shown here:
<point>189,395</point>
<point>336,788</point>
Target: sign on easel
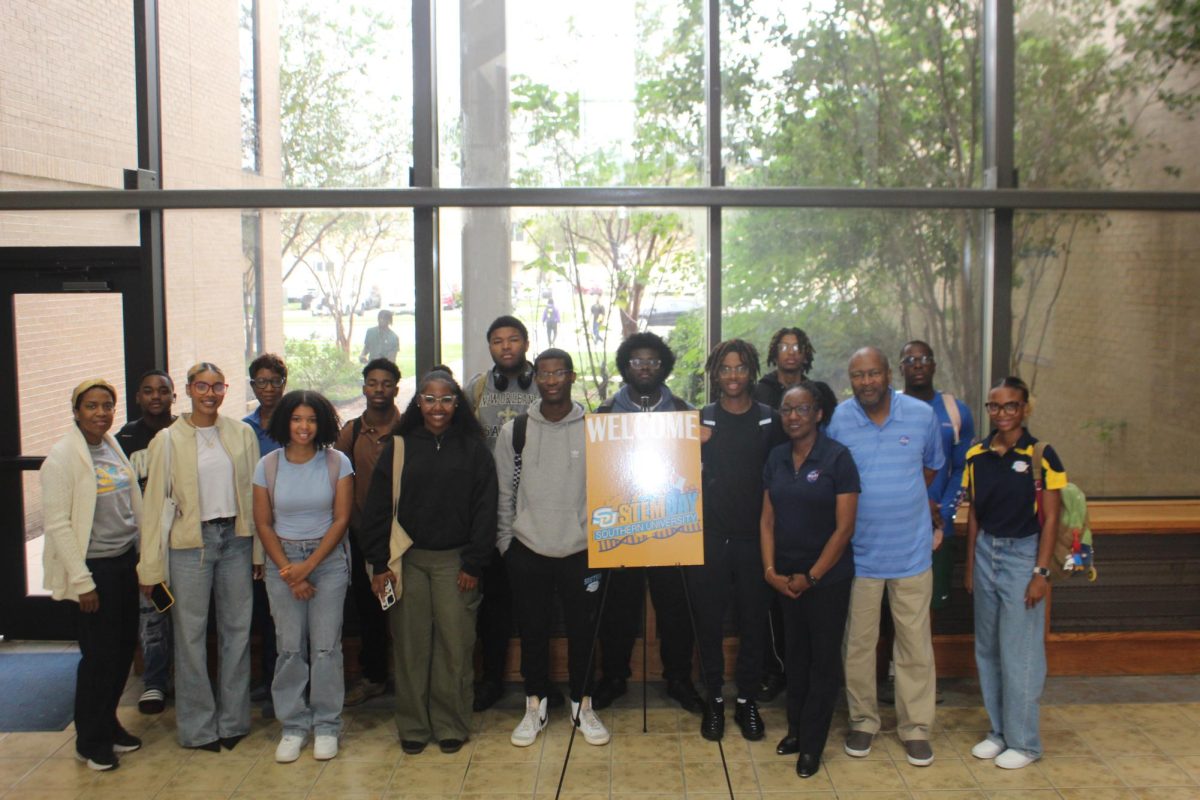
<point>643,490</point>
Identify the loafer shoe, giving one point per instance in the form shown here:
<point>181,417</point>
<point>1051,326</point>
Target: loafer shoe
<point>918,752</point>
<point>858,744</point>
<point>788,745</point>
<point>808,765</point>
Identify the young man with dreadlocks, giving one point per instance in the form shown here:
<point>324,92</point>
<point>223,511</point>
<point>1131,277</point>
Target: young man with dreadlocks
<point>737,434</point>
<point>791,353</point>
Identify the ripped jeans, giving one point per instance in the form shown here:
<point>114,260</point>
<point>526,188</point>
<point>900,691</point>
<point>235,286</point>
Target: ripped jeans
<point>309,636</point>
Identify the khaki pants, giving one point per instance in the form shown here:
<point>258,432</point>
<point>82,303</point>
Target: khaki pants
<point>912,653</point>
<point>433,637</point>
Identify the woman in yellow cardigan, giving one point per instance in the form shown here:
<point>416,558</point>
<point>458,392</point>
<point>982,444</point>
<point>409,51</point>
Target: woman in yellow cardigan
<point>91,506</point>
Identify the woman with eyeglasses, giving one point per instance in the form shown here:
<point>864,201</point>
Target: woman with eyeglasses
<point>91,506</point>
<point>1009,551</point>
<point>302,498</point>
<point>447,505</point>
<point>204,462</point>
<point>810,499</point>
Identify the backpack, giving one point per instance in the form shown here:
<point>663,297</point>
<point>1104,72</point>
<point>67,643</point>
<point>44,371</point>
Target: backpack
<point>271,468</point>
<point>708,418</point>
<point>1073,546</point>
<point>952,412</point>
<point>520,425</point>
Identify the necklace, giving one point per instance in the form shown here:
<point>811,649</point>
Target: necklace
<point>203,434</point>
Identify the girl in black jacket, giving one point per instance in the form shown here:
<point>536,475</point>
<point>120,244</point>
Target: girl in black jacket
<point>448,506</point>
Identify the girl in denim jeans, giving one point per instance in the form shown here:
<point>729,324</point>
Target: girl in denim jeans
<point>1008,560</point>
<point>302,499</point>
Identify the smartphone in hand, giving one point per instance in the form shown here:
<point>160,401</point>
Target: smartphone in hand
<point>388,598</point>
<point>162,598</point>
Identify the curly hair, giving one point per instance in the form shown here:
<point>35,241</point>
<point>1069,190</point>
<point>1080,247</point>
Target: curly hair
<point>802,339</point>
<point>328,423</point>
<point>651,341</point>
<point>463,419</point>
<point>712,367</point>
<point>269,361</point>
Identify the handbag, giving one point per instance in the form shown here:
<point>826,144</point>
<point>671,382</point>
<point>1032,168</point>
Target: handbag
<point>399,541</point>
<point>170,509</point>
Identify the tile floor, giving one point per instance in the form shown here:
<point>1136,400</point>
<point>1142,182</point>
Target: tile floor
<point>1094,750</point>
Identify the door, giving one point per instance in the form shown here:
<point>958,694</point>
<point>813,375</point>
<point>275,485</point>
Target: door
<point>66,314</point>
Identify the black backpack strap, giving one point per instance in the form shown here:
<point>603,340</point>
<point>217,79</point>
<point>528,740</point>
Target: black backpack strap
<point>766,419</point>
<point>520,426</point>
<point>355,432</point>
<point>708,415</point>
<point>680,404</point>
<point>606,407</point>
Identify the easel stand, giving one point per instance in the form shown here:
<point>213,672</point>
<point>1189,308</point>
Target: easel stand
<point>645,671</point>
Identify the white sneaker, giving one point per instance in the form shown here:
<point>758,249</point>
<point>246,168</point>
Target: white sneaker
<point>987,749</point>
<point>1013,759</point>
<point>289,748</point>
<point>590,726</point>
<point>531,724</point>
<point>325,746</point>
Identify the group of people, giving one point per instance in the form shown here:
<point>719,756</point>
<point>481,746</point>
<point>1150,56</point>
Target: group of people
<point>467,517</point>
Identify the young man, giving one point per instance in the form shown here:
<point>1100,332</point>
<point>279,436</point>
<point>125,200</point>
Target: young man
<point>380,341</point>
<point>645,362</point>
<point>268,380</point>
<point>155,395</point>
<point>896,443</point>
<point>497,396</point>
<point>362,440</point>
<point>543,537</point>
<point>737,435</point>
<point>791,353</point>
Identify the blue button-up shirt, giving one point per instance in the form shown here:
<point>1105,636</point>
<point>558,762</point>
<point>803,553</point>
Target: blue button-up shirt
<point>265,443</point>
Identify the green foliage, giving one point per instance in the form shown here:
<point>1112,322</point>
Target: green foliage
<point>322,367</point>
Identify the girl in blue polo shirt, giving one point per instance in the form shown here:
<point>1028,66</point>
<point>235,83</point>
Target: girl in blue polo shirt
<point>1008,560</point>
<point>809,504</point>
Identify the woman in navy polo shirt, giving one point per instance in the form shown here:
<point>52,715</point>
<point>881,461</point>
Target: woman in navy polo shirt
<point>810,499</point>
<point>1008,573</point>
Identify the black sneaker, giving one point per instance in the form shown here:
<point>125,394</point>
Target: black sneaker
<point>412,747</point>
<point>608,690</point>
<point>712,726</point>
<point>101,762</point>
<point>486,695</point>
<point>261,692</point>
<point>750,721</point>
<point>451,745</point>
<point>152,701</point>
<point>126,742</point>
<point>683,692</point>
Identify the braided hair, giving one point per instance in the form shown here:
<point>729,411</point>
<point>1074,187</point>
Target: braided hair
<point>802,339</point>
<point>712,366</point>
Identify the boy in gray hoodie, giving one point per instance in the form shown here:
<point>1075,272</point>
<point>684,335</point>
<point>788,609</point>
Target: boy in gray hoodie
<point>543,537</point>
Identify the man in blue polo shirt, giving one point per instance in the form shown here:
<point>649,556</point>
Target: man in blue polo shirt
<point>896,444</point>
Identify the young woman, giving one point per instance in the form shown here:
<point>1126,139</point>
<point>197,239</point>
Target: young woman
<point>1008,572</point>
<point>810,499</point>
<point>204,462</point>
<point>302,499</point>
<point>92,506</point>
<point>447,505</point>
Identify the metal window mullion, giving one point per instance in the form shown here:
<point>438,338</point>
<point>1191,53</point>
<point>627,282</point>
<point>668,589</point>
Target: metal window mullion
<point>999,102</point>
<point>715,170</point>
<point>424,174</point>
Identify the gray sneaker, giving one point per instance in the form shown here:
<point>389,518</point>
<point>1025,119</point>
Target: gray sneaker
<point>858,743</point>
<point>918,752</point>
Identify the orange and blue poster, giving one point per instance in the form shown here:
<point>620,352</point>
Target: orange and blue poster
<point>643,489</point>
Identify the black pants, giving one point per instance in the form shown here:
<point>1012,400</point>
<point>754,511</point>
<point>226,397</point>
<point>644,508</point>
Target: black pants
<point>732,571</point>
<point>815,625</point>
<point>536,581</point>
<point>373,653</point>
<point>494,624</point>
<point>263,624</point>
<point>107,639</point>
<point>774,648</point>
<point>623,612</point>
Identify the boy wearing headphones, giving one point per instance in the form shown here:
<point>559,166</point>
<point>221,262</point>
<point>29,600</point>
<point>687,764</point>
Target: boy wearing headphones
<point>496,396</point>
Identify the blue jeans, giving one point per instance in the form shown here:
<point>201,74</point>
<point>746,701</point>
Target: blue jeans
<point>154,633</point>
<point>1009,647</point>
<point>309,638</point>
<point>220,568</point>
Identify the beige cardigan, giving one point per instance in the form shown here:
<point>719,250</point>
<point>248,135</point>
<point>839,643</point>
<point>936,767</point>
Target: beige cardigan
<point>240,443</point>
<point>68,480</point>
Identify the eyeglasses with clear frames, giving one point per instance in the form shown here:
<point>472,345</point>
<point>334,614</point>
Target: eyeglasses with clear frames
<point>433,400</point>
<point>547,374</point>
<point>638,363</point>
<point>740,369</point>
<point>204,387</point>
<point>916,361</point>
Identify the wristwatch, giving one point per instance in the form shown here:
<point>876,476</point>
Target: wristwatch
<point>1045,573</point>
<point>812,580</point>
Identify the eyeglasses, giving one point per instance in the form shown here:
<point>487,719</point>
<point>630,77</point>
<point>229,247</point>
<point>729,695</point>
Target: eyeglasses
<point>740,369</point>
<point>916,361</point>
<point>263,383</point>
<point>444,400</point>
<point>204,387</point>
<point>802,410</point>
<point>789,348</point>
<point>1009,408</point>
<point>638,363</point>
<point>547,374</point>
